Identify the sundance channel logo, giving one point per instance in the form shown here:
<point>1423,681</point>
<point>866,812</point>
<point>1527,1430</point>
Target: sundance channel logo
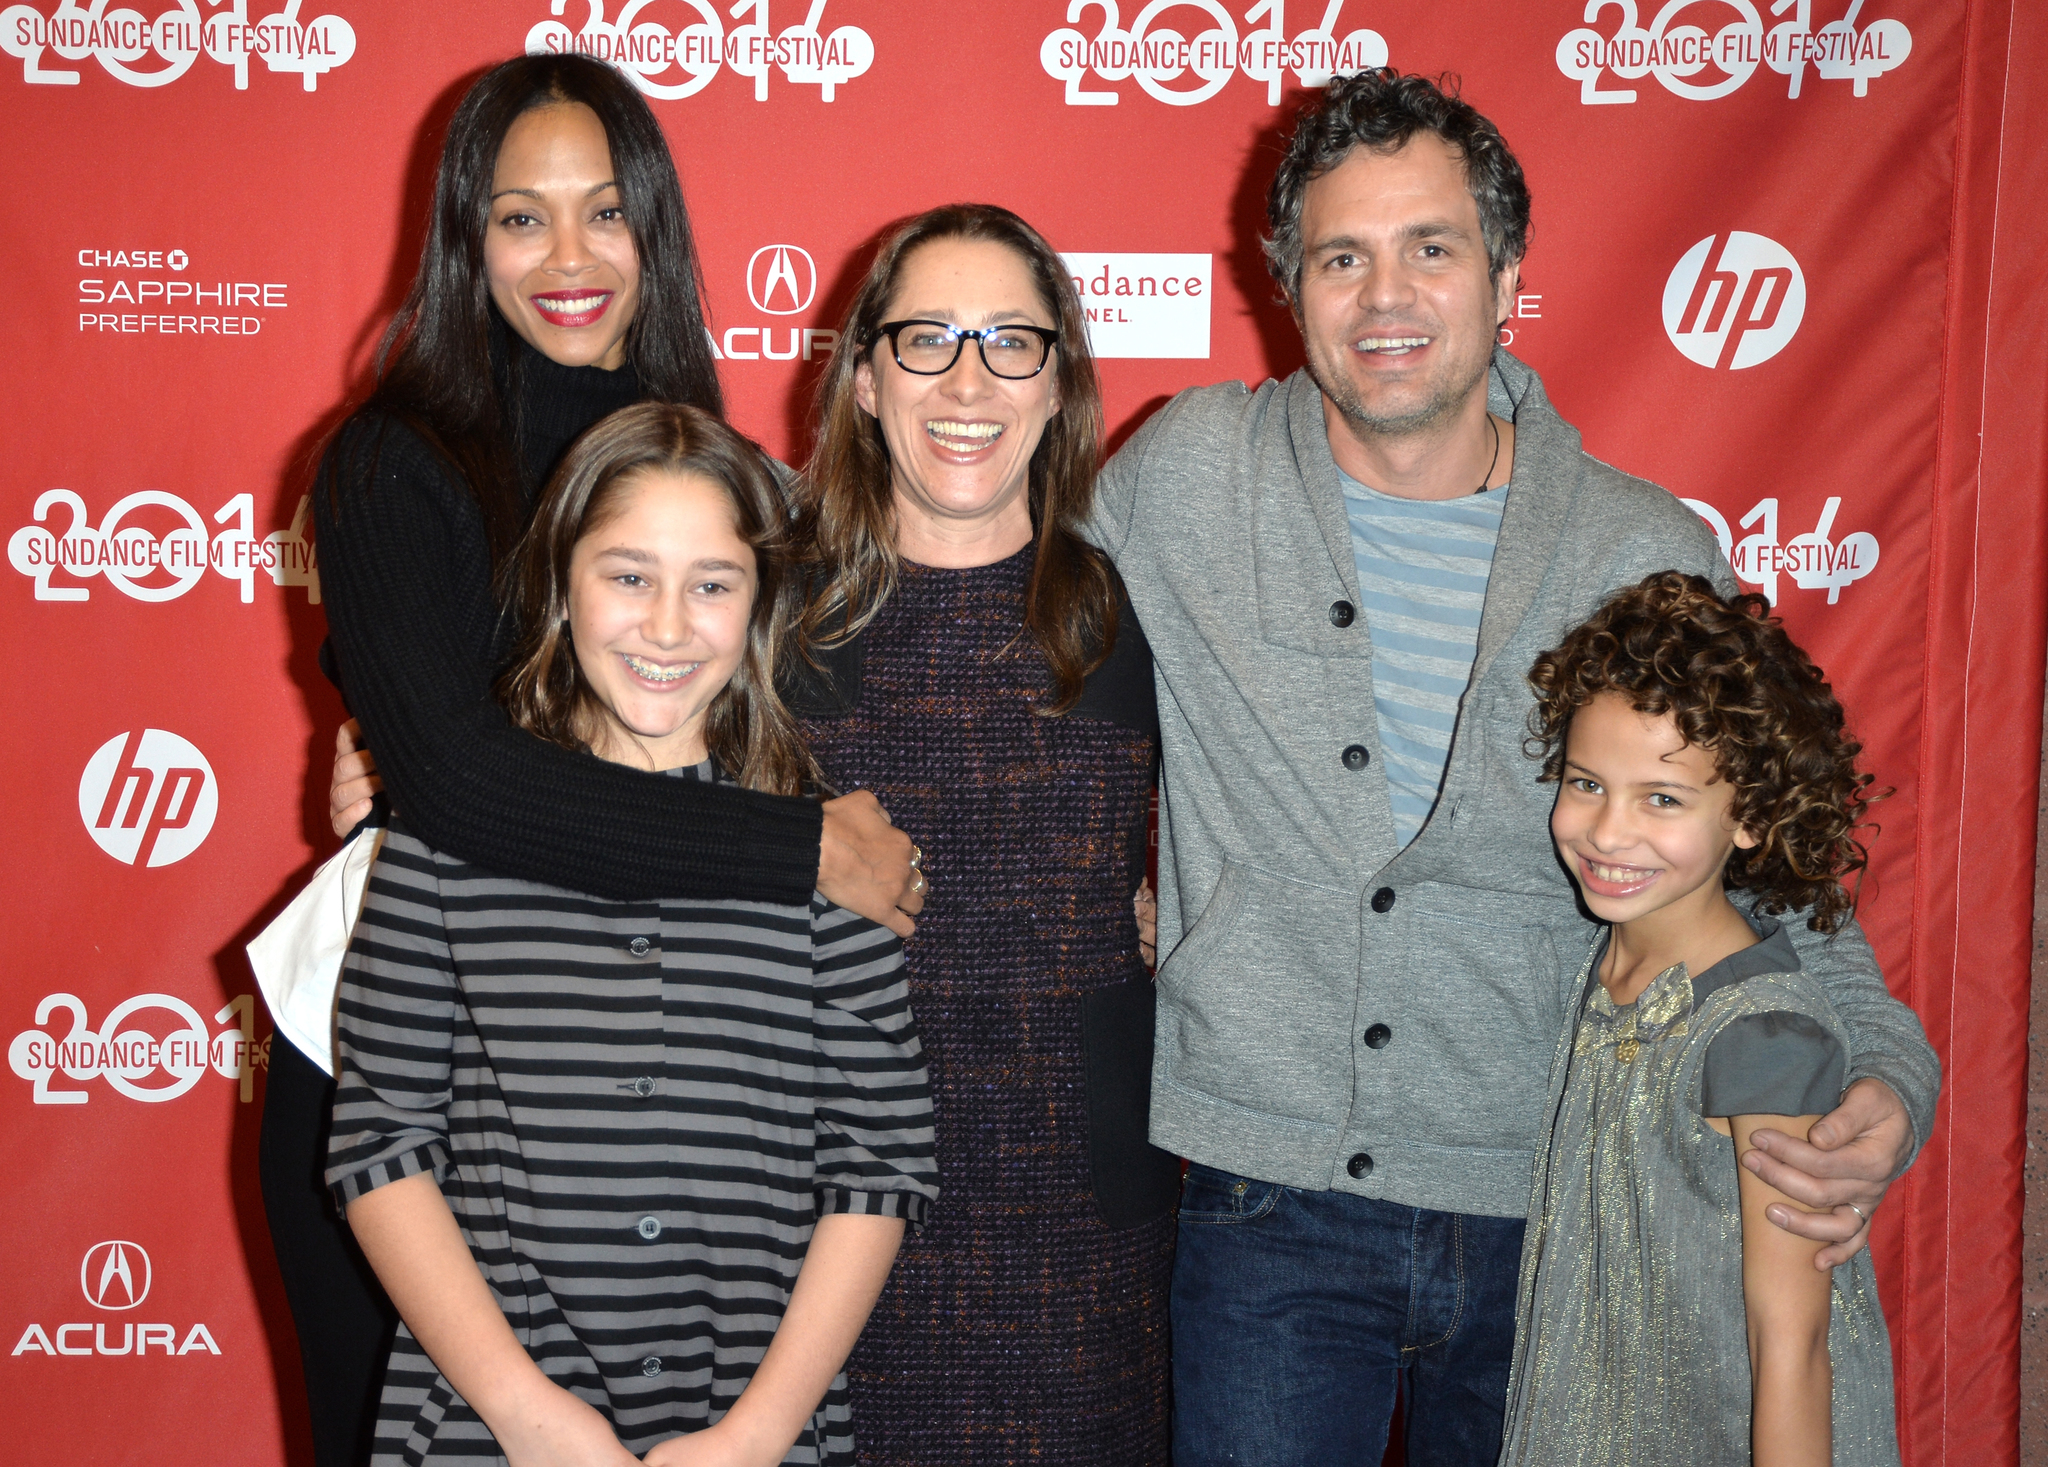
<point>115,1276</point>
<point>672,62</point>
<point>154,53</point>
<point>1184,52</point>
<point>1696,51</point>
<point>1143,305</point>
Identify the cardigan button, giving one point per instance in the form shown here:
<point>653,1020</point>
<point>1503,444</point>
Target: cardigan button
<point>651,1366</point>
<point>649,1228</point>
<point>1383,899</point>
<point>639,947</point>
<point>1359,1165</point>
<point>1377,1036</point>
<point>644,1086</point>
<point>1356,757</point>
<point>1342,613</point>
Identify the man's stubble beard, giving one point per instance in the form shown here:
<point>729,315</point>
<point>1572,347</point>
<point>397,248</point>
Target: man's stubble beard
<point>1443,405</point>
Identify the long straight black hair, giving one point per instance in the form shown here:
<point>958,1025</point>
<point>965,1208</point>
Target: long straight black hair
<point>434,369</point>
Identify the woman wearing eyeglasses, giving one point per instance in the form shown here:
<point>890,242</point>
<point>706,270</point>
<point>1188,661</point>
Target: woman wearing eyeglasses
<point>979,670</point>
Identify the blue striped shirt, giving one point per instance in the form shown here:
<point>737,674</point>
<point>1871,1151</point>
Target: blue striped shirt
<point>1422,570</point>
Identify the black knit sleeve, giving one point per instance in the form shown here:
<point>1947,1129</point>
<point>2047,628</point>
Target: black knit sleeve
<point>405,577</point>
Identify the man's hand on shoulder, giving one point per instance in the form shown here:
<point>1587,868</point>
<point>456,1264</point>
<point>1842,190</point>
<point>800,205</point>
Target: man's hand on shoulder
<point>1845,1165</point>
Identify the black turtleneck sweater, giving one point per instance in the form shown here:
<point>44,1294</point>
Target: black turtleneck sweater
<point>405,573</point>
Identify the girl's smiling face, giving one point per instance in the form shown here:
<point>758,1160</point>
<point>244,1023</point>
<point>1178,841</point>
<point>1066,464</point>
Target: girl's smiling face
<point>1643,819</point>
<point>661,592</point>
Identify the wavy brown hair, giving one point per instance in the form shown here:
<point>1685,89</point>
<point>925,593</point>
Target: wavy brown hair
<point>1382,110</point>
<point>747,728</point>
<point>846,510</point>
<point>1737,686</point>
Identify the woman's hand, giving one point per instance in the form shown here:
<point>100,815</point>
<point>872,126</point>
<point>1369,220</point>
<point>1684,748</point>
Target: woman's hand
<point>865,863</point>
<point>1146,906</point>
<point>355,779</point>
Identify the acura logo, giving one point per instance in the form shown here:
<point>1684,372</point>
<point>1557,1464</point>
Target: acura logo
<point>114,1275</point>
<point>781,279</point>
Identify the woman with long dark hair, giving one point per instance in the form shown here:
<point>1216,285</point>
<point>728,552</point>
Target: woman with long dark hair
<point>979,669</point>
<point>558,283</point>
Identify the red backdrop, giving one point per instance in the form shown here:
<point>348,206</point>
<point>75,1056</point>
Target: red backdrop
<point>1780,266</point>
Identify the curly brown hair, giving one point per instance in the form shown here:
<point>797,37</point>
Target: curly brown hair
<point>1736,685</point>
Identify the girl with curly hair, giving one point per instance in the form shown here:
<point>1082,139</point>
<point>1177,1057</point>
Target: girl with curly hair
<point>1662,1318</point>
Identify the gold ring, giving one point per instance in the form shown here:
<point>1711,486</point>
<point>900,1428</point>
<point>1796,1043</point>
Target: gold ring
<point>916,857</point>
<point>918,887</point>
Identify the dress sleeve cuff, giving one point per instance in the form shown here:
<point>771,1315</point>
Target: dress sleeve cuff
<point>430,1157</point>
<point>912,1207</point>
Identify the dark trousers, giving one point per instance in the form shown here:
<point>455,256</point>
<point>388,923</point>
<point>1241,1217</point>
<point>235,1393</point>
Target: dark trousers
<point>344,1321</point>
<point>1299,1315</point>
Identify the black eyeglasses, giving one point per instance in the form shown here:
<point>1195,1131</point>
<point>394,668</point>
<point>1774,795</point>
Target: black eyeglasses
<point>929,348</point>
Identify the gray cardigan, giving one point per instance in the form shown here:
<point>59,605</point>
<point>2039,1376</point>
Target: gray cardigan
<point>1334,1013</point>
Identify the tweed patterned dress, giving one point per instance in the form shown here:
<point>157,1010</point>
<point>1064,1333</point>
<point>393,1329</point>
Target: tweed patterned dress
<point>1017,1328</point>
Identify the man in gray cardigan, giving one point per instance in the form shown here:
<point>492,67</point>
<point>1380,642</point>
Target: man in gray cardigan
<point>1369,940</point>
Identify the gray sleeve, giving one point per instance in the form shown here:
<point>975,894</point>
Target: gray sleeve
<point>395,1029</point>
<point>1116,494</point>
<point>875,1152</point>
<point>1773,1064</point>
<point>1886,1041</point>
<point>1667,535</point>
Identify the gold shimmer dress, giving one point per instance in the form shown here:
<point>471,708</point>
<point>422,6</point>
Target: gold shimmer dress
<point>1631,1345</point>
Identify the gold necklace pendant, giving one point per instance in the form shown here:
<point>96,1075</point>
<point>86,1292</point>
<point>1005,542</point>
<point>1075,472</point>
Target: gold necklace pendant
<point>1625,1050</point>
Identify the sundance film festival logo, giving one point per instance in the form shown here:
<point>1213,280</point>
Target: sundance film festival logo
<point>154,546</point>
<point>115,1276</point>
<point>1734,303</point>
<point>680,62</point>
<point>1688,60</point>
<point>154,53</point>
<point>148,801</point>
<point>1183,52</point>
<point>1815,561</point>
<point>153,1047</point>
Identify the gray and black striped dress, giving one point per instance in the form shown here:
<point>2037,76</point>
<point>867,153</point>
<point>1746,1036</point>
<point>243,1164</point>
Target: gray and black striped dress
<point>637,1112</point>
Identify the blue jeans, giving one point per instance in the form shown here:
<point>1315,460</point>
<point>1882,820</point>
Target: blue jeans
<point>1298,1316</point>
